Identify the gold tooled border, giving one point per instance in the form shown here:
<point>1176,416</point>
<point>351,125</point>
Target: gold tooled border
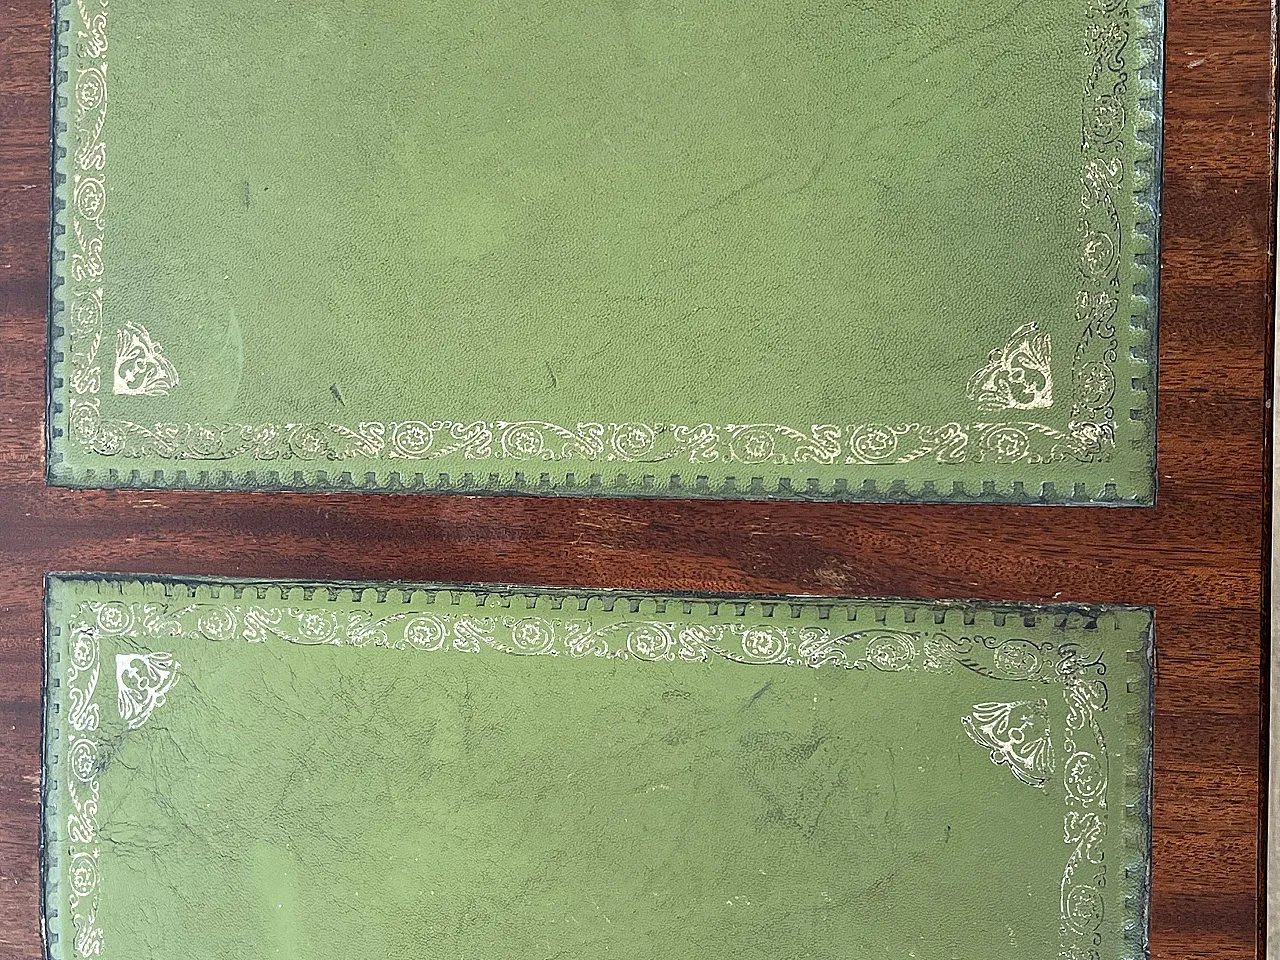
<point>1111,118</point>
<point>1085,766</point>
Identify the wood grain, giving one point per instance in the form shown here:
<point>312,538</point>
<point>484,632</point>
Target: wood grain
<point>1197,557</point>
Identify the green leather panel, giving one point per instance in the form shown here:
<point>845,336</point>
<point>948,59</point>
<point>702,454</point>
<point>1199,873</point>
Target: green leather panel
<point>840,250</point>
<point>258,770</point>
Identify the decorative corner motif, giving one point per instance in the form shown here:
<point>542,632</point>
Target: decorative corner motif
<point>1017,734</point>
<point>1019,375</point>
<point>142,682</point>
<point>142,369</point>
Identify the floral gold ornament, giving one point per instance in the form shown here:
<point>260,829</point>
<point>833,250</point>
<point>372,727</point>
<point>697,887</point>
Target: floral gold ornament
<point>143,681</point>
<point>141,369</point>
<point>1019,376</point>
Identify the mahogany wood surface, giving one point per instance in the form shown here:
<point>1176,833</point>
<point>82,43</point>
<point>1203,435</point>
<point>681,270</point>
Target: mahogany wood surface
<point>1197,557</point>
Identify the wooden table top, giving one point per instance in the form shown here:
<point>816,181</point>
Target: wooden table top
<point>1198,557</point>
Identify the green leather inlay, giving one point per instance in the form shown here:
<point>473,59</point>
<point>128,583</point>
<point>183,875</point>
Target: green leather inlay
<point>257,770</point>
<point>839,250</point>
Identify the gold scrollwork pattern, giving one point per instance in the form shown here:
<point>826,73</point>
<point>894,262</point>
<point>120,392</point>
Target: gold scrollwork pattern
<point>645,639</point>
<point>534,442</point>
<point>86,208</point>
<point>83,671</point>
<point>1107,129</point>
<point>1017,379</point>
<point>533,634</point>
<point>1085,780</point>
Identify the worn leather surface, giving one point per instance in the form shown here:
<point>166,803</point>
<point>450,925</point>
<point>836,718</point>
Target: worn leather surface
<point>241,771</point>
<point>774,246</point>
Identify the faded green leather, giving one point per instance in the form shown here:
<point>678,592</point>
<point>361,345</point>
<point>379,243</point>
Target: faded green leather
<point>629,248</point>
<point>327,772</point>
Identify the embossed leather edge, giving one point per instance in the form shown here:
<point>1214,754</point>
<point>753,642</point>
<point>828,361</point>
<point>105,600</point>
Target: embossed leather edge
<point>1148,183</point>
<point>1064,615</point>
<point>1139,783</point>
<point>53,407</point>
<point>57,336</point>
